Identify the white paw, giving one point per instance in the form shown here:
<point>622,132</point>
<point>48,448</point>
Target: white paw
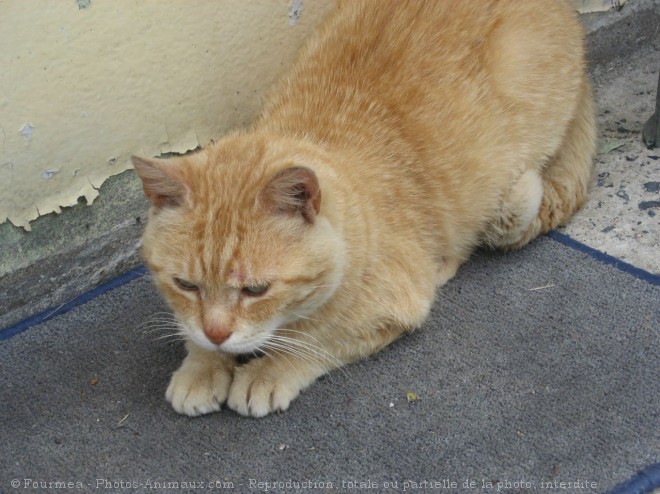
<point>258,389</point>
<point>198,388</point>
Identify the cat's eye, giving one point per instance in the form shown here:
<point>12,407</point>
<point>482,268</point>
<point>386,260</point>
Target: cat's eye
<point>255,290</point>
<point>185,284</point>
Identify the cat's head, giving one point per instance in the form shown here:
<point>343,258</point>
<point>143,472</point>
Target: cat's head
<point>237,241</point>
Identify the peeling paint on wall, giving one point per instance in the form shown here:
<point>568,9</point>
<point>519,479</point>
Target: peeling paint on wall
<point>295,10</point>
<point>50,173</point>
<point>26,131</point>
<point>104,80</point>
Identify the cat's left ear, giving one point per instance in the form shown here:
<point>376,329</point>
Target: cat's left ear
<point>293,191</point>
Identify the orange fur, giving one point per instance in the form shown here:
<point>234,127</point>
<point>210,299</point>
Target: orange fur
<point>406,134</point>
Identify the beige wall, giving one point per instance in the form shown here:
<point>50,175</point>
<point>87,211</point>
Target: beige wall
<point>85,84</point>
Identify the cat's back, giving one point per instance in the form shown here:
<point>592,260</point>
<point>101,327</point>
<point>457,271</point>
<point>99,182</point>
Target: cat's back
<point>421,63</point>
<point>403,40</point>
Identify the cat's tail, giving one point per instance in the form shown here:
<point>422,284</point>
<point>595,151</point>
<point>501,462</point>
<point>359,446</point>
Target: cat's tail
<point>543,200</point>
<point>567,175</point>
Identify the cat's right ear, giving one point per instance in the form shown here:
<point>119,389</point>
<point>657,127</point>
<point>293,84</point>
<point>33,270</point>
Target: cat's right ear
<point>161,181</point>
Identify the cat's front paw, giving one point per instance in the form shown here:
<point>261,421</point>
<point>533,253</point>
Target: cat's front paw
<point>261,387</point>
<point>200,386</point>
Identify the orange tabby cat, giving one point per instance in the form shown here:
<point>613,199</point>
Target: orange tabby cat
<point>407,134</point>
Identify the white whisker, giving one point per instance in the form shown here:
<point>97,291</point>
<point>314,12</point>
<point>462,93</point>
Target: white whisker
<point>163,322</point>
<point>327,286</point>
<point>162,315</point>
<point>172,337</point>
<point>306,318</point>
<point>156,329</point>
<point>304,335</point>
<point>309,351</point>
<point>280,353</point>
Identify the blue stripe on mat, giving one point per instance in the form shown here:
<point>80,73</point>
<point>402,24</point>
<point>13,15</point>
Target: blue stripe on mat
<point>122,279</point>
<point>644,482</point>
<point>46,315</point>
<point>605,258</point>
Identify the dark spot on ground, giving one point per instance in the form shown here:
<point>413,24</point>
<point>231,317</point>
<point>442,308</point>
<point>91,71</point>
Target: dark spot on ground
<point>652,186</point>
<point>623,195</point>
<point>648,205</point>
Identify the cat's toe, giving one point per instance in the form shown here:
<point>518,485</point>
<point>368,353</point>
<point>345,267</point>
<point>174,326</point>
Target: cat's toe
<point>196,391</point>
<point>255,395</point>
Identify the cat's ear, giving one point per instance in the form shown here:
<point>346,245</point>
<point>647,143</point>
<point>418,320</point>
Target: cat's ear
<point>161,181</point>
<point>293,191</point>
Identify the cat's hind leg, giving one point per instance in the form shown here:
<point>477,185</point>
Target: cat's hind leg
<point>564,181</point>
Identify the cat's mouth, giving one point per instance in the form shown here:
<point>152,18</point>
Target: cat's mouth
<point>238,349</point>
<point>240,344</point>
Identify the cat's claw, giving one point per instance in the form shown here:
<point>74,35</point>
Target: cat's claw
<point>196,389</point>
<point>255,392</point>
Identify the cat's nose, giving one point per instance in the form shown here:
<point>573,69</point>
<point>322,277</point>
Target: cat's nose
<point>217,334</point>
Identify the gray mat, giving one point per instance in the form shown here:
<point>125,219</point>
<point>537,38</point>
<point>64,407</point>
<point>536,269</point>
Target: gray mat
<point>513,383</point>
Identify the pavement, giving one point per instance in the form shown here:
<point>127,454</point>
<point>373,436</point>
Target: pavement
<point>619,218</point>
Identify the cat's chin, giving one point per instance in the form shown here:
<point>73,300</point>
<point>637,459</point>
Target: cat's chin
<point>228,347</point>
<point>237,348</point>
